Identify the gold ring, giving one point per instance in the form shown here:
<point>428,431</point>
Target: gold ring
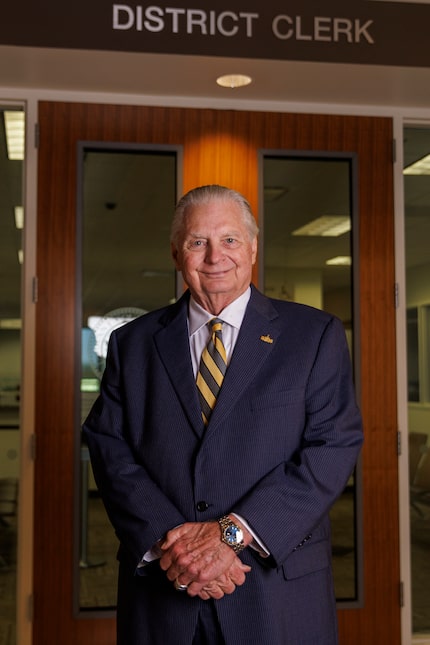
<point>179,587</point>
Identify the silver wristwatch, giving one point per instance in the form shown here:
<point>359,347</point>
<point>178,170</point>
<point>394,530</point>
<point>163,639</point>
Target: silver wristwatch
<point>231,534</point>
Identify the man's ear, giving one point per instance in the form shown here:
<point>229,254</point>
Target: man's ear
<point>174,254</point>
<point>254,248</point>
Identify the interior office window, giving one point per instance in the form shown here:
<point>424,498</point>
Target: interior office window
<point>12,135</point>
<point>412,340</point>
<point>127,196</point>
<point>306,255</point>
<point>416,175</point>
<point>418,340</point>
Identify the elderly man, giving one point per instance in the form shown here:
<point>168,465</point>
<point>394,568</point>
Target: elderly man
<point>225,429</point>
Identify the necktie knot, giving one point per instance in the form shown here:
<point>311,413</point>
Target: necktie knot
<point>216,324</point>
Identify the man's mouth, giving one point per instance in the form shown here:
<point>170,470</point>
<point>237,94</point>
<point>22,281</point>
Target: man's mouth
<point>217,274</point>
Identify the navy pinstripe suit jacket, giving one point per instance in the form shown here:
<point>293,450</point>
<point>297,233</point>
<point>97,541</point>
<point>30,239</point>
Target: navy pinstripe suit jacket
<point>279,448</point>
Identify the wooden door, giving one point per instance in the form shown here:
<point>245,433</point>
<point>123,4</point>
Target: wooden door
<point>218,147</point>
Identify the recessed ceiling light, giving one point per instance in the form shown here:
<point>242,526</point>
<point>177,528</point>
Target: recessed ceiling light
<point>420,167</point>
<point>326,226</point>
<point>233,80</point>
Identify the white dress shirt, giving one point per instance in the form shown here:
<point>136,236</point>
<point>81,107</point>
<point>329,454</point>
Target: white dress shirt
<point>199,330</point>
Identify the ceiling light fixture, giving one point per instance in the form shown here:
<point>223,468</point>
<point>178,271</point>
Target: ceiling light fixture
<point>19,216</point>
<point>340,261</point>
<point>15,128</point>
<point>325,226</point>
<point>420,167</point>
<point>233,80</point>
<point>10,323</point>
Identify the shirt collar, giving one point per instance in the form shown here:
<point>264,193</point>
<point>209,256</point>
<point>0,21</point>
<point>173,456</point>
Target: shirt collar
<point>232,314</point>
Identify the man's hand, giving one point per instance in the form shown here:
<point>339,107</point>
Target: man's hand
<point>194,554</point>
<point>224,584</point>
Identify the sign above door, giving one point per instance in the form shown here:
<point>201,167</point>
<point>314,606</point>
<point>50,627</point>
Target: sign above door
<point>371,32</point>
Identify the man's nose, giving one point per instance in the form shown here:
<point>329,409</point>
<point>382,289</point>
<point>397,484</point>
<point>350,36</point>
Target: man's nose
<point>214,253</point>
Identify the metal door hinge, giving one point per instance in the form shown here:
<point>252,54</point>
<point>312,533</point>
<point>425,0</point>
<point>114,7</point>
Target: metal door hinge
<point>399,443</point>
<point>35,289</point>
<point>36,135</point>
<point>396,295</point>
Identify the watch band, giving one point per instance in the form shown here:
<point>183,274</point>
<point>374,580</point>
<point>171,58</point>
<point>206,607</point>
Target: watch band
<point>231,534</point>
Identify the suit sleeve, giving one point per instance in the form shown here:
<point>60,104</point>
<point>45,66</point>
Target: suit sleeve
<point>289,503</point>
<point>139,511</point>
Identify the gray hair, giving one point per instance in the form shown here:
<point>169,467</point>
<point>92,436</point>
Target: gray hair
<point>204,195</point>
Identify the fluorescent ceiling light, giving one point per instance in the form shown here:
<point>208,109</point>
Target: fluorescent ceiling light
<point>340,261</point>
<point>326,226</point>
<point>10,323</point>
<point>420,167</point>
<point>234,80</point>
<point>19,216</point>
<point>14,126</point>
<point>20,256</point>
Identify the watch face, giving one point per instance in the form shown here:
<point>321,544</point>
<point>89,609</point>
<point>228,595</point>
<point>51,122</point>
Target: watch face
<point>233,535</point>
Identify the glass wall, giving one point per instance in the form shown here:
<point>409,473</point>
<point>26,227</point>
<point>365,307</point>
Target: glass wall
<point>307,256</point>
<point>127,197</point>
<point>11,229</point>
<point>417,259</point>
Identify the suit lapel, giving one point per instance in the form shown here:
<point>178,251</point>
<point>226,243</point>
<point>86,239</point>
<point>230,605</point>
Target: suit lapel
<point>256,341</point>
<point>173,347</point>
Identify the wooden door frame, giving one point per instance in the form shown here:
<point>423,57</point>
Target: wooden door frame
<point>219,146</point>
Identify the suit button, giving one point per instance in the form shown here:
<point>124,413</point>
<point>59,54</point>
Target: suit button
<point>202,506</point>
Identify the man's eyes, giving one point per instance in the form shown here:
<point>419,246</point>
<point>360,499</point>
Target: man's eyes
<point>198,244</point>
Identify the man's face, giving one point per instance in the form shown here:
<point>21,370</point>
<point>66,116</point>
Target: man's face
<point>215,253</point>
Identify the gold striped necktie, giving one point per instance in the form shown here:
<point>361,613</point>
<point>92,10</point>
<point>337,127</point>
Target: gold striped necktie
<point>213,365</point>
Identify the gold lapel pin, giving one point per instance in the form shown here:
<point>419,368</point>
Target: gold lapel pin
<point>266,339</point>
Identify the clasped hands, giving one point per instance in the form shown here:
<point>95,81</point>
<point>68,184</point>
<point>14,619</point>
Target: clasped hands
<point>194,555</point>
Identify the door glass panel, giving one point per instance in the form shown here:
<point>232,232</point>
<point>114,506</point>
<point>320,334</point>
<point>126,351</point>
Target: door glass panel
<point>127,198</point>
<point>309,234</point>
<point>417,259</point>
<point>11,234</point>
